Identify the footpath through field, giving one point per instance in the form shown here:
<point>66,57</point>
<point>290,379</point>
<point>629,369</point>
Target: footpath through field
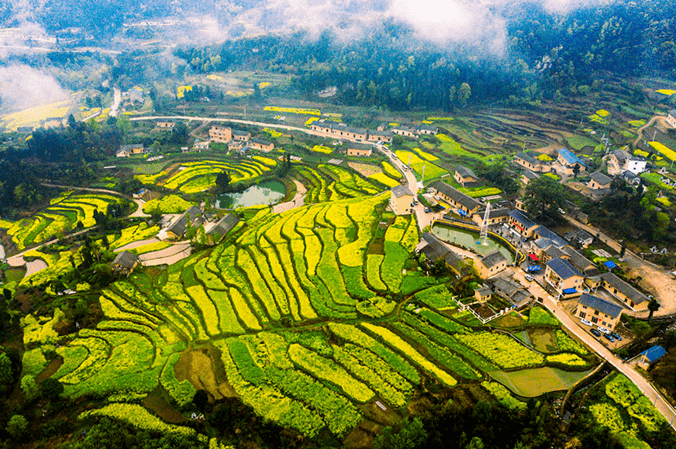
<point>625,368</point>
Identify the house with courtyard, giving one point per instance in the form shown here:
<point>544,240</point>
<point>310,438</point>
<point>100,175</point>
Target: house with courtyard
<point>124,263</point>
<point>564,279</point>
<point>401,200</point>
<point>620,161</point>
<point>466,177</point>
<point>434,249</point>
<point>624,292</point>
<point>483,293</point>
<point>522,223</point>
<point>177,228</point>
<point>359,149</point>
<point>579,237</point>
<point>491,264</point>
<point>599,311</point>
<point>512,291</point>
<point>462,203</point>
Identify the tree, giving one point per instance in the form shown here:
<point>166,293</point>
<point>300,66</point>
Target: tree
<point>464,93</point>
<point>405,435</point>
<point>543,193</point>
<point>16,427</point>
<point>29,387</point>
<point>476,443</point>
<point>6,375</point>
<point>576,170</point>
<point>483,412</point>
<point>51,389</point>
<point>200,400</point>
<point>653,306</point>
<point>222,182</point>
<point>7,293</point>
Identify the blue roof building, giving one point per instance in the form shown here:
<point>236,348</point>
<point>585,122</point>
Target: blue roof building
<point>567,157</point>
<point>652,355</point>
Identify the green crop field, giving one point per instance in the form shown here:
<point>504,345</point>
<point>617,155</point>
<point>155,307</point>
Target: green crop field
<point>309,266</point>
<point>63,215</point>
<point>194,177</point>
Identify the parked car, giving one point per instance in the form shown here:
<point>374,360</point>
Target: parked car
<point>427,210</point>
<point>616,336</point>
<point>586,322</point>
<point>608,337</point>
<point>604,330</point>
<point>529,278</point>
<point>595,332</point>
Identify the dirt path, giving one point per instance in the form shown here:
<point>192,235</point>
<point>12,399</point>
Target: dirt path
<point>167,256</point>
<point>297,201</point>
<point>34,266</point>
<point>656,118</point>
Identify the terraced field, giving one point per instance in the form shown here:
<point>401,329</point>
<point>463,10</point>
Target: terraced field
<point>311,267</point>
<point>332,182</point>
<point>61,216</point>
<point>194,177</point>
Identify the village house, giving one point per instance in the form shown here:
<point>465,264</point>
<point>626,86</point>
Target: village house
<point>512,291</point>
<point>522,223</point>
<point>483,293</point>
<point>222,134</point>
<point>430,130</point>
<point>568,160</point>
<point>242,136</point>
<point>491,264</point>
<point>221,228</point>
<point>586,266</point>
<point>579,237</point>
<point>405,131</point>
<point>599,311</point>
<point>464,204</point>
<point>401,200</point>
<point>340,130</point>
<point>129,150</point>
<point>495,216</point>
<point>179,225</point>
<point>620,161</point>
<point>261,145</point>
<point>200,146</point>
<point>531,163</point>
<point>359,149</point>
<point>599,182</point>
<point>166,125</point>
<point>671,118</point>
<point>434,249</point>
<point>466,177</point>
<point>380,136</point>
<point>624,292</point>
<point>543,232</point>
<point>236,145</point>
<point>124,263</point>
<point>564,278</point>
<point>527,176</point>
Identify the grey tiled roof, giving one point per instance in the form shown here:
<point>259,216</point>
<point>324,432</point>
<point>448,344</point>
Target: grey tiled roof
<point>603,306</point>
<point>563,268</point>
<point>624,288</point>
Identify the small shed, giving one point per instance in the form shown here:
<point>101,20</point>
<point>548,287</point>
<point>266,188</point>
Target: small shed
<point>650,356</point>
<point>610,265</point>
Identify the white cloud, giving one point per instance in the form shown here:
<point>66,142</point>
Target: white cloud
<point>22,87</point>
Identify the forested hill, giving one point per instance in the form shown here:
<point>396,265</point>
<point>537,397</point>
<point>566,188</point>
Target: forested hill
<point>545,53</point>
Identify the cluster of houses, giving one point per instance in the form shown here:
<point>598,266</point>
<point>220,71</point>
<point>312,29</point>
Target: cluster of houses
<point>384,133</point>
<point>175,228</point>
<point>238,140</point>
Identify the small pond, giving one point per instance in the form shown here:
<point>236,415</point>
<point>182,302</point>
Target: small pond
<point>267,193</point>
<point>468,239</point>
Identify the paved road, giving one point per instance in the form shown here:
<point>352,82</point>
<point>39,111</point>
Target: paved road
<point>117,99</point>
<point>572,324</point>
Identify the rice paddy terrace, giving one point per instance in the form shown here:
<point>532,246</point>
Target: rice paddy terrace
<point>309,316</point>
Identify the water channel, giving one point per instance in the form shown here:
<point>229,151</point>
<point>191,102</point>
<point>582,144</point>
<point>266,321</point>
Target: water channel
<point>267,192</point>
